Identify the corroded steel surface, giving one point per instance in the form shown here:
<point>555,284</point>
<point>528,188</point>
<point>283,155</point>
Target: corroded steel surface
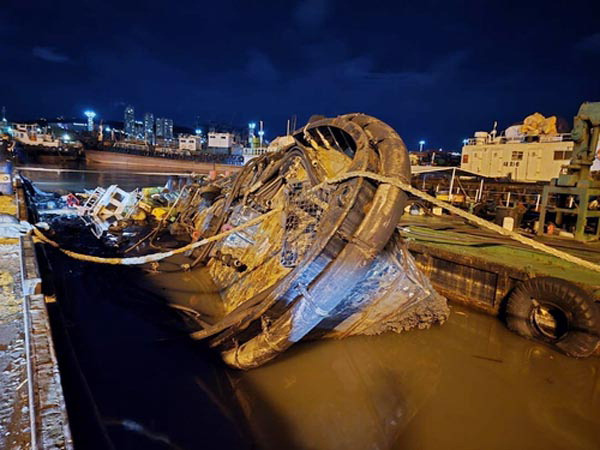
<point>323,265</point>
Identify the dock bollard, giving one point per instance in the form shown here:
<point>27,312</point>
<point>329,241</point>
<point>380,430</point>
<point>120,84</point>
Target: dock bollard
<point>6,186</point>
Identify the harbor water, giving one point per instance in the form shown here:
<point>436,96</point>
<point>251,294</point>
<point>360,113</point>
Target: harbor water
<point>134,380</point>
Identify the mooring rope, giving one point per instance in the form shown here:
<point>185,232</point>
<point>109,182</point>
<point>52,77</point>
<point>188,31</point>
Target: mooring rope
<point>394,181</point>
<point>407,187</point>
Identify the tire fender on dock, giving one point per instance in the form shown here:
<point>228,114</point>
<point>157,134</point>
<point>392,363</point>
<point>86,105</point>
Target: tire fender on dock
<point>556,312</point>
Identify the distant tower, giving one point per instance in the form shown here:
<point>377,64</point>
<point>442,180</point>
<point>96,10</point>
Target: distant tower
<point>164,128</point>
<point>251,128</point>
<point>90,117</point>
<point>129,122</point>
<point>261,133</point>
<point>149,128</point>
<point>168,128</point>
<point>160,127</point>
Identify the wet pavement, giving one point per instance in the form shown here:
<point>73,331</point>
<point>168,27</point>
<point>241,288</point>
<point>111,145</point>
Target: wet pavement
<point>133,380</point>
<point>14,404</point>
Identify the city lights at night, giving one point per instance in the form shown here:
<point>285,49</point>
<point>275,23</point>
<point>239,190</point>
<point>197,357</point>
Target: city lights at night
<point>310,224</point>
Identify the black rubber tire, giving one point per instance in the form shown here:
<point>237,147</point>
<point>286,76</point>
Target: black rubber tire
<point>582,317</point>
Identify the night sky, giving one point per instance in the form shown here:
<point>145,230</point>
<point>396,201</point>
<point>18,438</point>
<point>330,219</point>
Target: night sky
<point>434,70</point>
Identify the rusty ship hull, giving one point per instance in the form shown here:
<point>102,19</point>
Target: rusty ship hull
<point>107,158</point>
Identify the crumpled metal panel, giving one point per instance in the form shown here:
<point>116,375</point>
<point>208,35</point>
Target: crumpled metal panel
<point>394,296</point>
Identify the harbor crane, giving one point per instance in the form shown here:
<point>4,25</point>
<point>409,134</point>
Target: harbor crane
<point>577,193</point>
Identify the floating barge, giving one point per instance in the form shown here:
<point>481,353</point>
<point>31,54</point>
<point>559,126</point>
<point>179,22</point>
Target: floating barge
<point>485,271</point>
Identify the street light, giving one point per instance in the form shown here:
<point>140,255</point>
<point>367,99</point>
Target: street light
<point>261,133</point>
<point>90,116</point>
<point>421,144</point>
<point>465,141</point>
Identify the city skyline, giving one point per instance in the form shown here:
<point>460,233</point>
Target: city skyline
<point>434,77</point>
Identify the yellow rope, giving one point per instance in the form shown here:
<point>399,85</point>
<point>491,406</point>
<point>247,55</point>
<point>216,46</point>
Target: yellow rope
<point>346,176</point>
<point>470,217</point>
<point>155,256</point>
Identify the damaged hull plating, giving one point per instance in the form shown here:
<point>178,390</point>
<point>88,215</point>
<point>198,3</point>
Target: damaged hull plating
<point>325,260</point>
<point>329,264</point>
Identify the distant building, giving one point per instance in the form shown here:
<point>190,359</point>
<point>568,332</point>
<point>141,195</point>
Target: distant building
<point>190,142</point>
<point>138,129</point>
<point>129,121</point>
<point>164,128</point>
<point>220,140</point>
<point>68,125</point>
<point>149,128</point>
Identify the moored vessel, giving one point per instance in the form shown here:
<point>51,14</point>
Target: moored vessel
<point>34,144</point>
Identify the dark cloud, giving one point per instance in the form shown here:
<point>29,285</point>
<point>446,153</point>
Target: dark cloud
<point>260,67</point>
<point>433,69</point>
<point>49,54</point>
<point>589,43</point>
<point>445,67</point>
<point>312,13</point>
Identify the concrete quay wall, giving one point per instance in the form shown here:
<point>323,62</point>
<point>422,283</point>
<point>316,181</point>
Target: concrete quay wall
<point>32,407</point>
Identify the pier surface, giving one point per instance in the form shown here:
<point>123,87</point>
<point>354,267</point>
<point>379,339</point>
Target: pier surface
<point>32,408</point>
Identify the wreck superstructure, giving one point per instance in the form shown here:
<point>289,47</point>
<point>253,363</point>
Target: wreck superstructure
<point>296,243</point>
<point>326,263</point>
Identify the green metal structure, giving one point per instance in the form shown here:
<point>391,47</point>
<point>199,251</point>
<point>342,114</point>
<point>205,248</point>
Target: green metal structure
<point>575,190</point>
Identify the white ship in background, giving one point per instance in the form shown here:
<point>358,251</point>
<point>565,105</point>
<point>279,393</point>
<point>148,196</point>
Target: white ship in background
<point>32,143</point>
<point>532,151</point>
<point>33,135</point>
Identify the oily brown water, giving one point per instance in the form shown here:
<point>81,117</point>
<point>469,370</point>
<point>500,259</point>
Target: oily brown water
<point>469,384</point>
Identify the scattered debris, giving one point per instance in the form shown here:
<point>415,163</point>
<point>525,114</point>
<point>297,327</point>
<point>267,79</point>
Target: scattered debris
<point>294,254</point>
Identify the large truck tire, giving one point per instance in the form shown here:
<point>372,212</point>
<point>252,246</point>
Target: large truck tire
<point>556,312</point>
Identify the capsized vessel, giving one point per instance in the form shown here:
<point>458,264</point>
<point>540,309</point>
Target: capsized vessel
<point>296,250</point>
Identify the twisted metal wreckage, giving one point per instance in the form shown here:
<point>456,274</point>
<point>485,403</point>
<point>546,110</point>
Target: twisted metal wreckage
<point>295,249</point>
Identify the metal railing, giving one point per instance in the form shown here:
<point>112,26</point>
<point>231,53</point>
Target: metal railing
<point>524,139</point>
<point>254,151</point>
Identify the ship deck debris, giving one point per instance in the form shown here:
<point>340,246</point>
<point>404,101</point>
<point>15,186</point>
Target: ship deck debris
<point>292,255</point>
